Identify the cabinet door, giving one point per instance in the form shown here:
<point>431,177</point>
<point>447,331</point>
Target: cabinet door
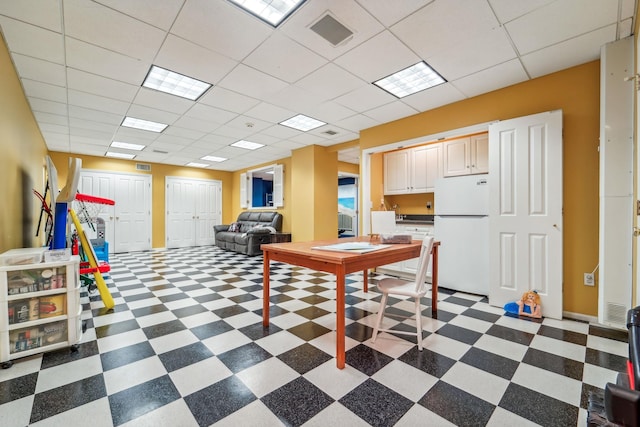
<point>456,157</point>
<point>480,153</point>
<point>418,171</point>
<point>434,165</point>
<point>396,172</point>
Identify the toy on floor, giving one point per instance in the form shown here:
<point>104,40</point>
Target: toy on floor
<point>528,305</point>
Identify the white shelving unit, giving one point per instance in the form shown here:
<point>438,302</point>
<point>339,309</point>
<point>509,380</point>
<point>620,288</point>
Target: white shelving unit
<point>40,308</point>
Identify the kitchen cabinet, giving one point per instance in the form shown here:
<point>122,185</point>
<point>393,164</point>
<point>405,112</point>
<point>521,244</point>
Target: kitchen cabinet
<point>413,170</point>
<point>408,268</point>
<point>466,156</point>
<point>40,308</point>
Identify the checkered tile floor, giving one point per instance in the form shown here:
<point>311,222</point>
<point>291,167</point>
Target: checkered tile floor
<point>184,346</point>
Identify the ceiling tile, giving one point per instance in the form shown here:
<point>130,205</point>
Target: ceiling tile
<point>153,114</point>
<point>330,81</point>
<point>390,112</point>
<point>378,57</point>
<point>95,115</point>
<point>251,82</point>
<point>185,57</point>
<point>99,85</point>
<point>440,27</point>
<point>390,12</point>
<point>206,112</point>
<point>228,100</point>
<point>47,91</point>
<point>44,106</point>
<point>33,41</point>
<point>39,70</point>
<point>162,101</point>
<point>87,100</point>
<point>508,10</point>
<point>221,27</point>
<point>112,30</point>
<point>439,95</point>
<point>505,74</point>
<point>563,55</point>
<point>558,21</point>
<point>103,62</point>
<point>357,123</point>
<point>44,14</point>
<point>270,113</point>
<point>365,98</point>
<point>284,59</point>
<point>159,13</point>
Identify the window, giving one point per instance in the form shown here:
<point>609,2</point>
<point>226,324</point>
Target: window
<point>262,188</point>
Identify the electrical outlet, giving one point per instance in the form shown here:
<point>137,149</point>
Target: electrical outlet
<point>589,279</point>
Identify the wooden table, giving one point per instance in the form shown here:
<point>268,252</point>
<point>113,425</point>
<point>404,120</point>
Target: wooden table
<point>341,264</point>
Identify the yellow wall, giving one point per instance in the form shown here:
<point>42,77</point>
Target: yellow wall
<point>315,209</point>
<point>21,163</point>
<point>577,92</point>
<point>158,186</point>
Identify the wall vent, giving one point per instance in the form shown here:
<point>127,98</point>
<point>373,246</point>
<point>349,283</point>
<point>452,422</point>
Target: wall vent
<point>331,30</point>
<point>143,167</point>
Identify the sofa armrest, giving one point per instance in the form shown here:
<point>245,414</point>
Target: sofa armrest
<point>218,228</point>
<point>259,230</point>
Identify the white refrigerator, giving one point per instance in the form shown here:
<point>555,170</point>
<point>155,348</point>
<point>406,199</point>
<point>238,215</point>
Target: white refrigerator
<point>461,224</point>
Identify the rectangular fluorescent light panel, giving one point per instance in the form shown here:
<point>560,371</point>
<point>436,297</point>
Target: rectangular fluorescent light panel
<point>410,80</point>
<point>130,122</point>
<point>303,123</point>
<point>247,144</point>
<point>197,165</point>
<point>176,84</point>
<point>271,11</point>
<point>120,155</point>
<point>213,159</point>
<point>127,145</point>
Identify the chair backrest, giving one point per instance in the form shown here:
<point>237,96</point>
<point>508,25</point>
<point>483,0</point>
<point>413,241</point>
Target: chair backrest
<point>423,263</point>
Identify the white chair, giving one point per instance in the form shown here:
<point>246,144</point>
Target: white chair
<point>414,289</point>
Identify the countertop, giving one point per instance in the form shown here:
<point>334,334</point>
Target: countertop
<point>414,219</point>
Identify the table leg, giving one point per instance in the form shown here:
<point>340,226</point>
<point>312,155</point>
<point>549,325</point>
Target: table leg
<point>365,280</point>
<point>434,282</point>
<point>340,320</point>
<point>265,288</point>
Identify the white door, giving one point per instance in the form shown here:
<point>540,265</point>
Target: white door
<point>193,207</point>
<point>181,213</point>
<point>133,213</point>
<point>208,211</point>
<point>100,184</point>
<point>132,196</point>
<point>525,210</point>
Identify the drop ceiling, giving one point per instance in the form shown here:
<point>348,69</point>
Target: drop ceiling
<point>82,63</point>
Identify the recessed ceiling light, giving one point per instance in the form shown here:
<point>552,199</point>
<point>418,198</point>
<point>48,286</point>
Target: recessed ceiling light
<point>127,145</point>
<point>247,144</point>
<point>176,84</point>
<point>410,80</point>
<point>303,123</point>
<point>197,165</point>
<point>131,122</point>
<point>213,159</point>
<point>270,11</point>
<point>120,155</point>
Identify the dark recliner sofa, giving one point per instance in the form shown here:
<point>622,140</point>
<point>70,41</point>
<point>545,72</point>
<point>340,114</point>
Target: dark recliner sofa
<point>251,232</point>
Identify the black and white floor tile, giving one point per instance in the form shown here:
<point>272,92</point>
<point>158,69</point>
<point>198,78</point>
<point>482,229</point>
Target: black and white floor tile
<point>185,346</point>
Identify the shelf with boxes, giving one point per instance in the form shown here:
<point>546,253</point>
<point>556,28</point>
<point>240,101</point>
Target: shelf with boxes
<point>40,306</point>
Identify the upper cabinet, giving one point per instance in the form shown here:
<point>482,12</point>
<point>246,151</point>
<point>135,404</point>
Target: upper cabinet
<point>466,156</point>
<point>413,170</point>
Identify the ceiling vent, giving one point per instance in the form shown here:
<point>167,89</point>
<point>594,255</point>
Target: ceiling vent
<point>331,30</point>
<point>330,132</point>
<point>160,152</point>
<point>143,167</point>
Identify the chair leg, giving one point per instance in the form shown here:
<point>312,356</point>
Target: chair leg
<point>419,323</point>
<point>383,305</point>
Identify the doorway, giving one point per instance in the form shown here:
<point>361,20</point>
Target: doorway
<point>347,204</point>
